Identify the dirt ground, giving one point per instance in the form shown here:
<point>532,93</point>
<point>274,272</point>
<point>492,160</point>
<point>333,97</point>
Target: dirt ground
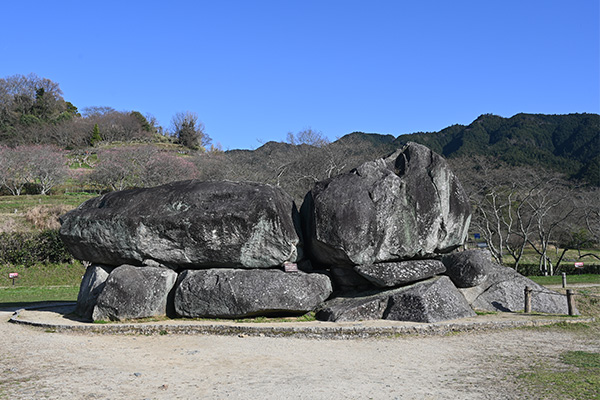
<point>39,364</point>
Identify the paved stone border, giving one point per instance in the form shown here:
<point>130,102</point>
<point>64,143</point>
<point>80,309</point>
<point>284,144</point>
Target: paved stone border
<point>295,330</point>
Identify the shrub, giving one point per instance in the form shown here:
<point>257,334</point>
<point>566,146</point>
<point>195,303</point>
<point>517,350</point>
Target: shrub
<point>534,269</point>
<point>30,248</point>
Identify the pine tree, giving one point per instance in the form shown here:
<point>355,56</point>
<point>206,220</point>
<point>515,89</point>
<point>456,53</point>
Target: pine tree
<point>95,136</point>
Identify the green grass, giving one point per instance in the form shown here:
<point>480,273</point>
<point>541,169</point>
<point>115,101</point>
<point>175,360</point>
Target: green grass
<point>19,296</point>
<point>303,318</point>
<point>40,283</point>
<point>530,256</point>
<point>576,376</point>
<point>25,202</point>
<point>480,312</point>
<point>582,359</point>
<point>571,279</point>
<point>42,275</point>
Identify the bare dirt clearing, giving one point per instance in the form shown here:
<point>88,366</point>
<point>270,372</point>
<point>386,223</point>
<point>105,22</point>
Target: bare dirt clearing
<point>37,364</point>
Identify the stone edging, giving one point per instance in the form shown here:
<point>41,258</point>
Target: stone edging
<point>311,332</point>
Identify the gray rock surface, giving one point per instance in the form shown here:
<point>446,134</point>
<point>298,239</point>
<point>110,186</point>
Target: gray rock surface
<point>502,288</point>
<point>91,286</point>
<point>361,307</point>
<point>432,300</point>
<point>132,292</point>
<point>392,274</point>
<point>187,225</point>
<point>234,293</point>
<point>468,268</point>
<point>408,205</point>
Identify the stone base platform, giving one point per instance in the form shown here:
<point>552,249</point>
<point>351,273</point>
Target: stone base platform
<point>59,317</point>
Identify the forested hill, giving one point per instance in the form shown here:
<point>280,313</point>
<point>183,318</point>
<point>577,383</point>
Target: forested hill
<point>565,143</point>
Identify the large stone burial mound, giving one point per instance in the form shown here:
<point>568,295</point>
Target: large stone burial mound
<point>374,243</point>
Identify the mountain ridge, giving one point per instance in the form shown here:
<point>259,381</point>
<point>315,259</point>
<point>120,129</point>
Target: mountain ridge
<point>569,143</point>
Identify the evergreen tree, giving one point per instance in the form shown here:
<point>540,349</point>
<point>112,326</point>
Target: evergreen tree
<point>96,138</point>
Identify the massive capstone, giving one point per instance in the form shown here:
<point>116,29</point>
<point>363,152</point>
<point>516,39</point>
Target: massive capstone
<point>406,206</point>
<point>187,225</point>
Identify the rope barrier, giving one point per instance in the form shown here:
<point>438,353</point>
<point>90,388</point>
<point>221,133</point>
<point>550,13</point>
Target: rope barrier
<point>574,293</point>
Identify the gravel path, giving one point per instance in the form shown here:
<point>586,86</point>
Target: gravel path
<point>35,364</point>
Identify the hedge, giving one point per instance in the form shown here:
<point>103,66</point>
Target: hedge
<point>569,268</point>
<point>27,249</point>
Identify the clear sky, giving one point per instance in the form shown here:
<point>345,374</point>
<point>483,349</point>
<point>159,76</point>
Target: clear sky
<point>255,70</point>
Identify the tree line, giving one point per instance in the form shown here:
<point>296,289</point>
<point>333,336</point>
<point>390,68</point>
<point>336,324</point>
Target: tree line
<point>34,112</point>
<point>521,208</point>
<point>295,166</point>
<point>569,144</point>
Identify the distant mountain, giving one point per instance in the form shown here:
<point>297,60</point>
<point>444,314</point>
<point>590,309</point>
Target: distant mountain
<point>566,143</point>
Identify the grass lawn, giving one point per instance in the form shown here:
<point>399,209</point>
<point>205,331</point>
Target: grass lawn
<point>571,279</point>
<point>8,204</point>
<point>42,275</point>
<point>576,376</point>
<point>39,283</point>
<point>531,258</point>
<point>20,296</point>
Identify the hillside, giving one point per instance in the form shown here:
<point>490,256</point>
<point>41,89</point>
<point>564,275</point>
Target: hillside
<point>566,143</point>
<point>569,144</point>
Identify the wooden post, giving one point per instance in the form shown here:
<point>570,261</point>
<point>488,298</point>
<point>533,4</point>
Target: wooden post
<point>564,280</point>
<point>570,302</point>
<point>528,291</point>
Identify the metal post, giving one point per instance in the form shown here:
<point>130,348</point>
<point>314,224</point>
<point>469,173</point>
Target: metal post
<point>564,280</point>
<point>570,302</point>
<point>528,291</point>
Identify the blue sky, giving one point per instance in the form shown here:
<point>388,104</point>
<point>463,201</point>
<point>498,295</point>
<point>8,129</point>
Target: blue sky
<point>255,70</point>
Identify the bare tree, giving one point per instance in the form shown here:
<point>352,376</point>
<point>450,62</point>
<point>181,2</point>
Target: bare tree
<point>48,166</point>
<point>492,198</point>
<point>552,206</point>
<point>96,111</point>
<point>189,131</point>
<point>122,167</point>
<point>519,208</point>
<point>15,169</point>
<point>308,136</point>
<point>591,218</point>
<point>44,166</point>
<point>118,126</point>
<point>139,166</point>
<point>164,168</point>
